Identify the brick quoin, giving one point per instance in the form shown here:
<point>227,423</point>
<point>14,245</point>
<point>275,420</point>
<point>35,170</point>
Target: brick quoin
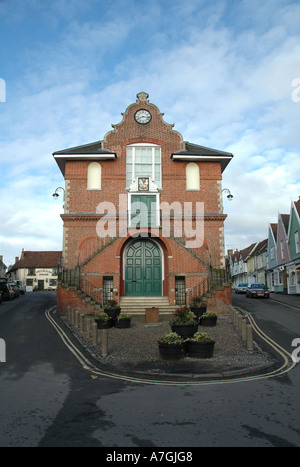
<point>81,217</point>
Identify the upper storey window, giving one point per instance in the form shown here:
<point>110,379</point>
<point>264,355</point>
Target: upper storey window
<point>192,177</point>
<point>143,160</point>
<point>94,176</point>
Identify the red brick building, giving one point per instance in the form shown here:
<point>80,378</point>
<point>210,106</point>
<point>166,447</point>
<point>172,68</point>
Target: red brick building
<point>143,212</point>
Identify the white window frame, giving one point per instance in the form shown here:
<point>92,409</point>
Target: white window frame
<point>139,145</point>
<point>297,241</point>
<point>272,253</point>
<point>282,249</point>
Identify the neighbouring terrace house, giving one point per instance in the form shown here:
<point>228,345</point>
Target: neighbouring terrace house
<point>272,257</point>
<point>283,254</point>
<point>293,238</point>
<point>143,219</point>
<point>3,267</point>
<point>37,269</point>
<point>256,263</point>
<point>239,265</point>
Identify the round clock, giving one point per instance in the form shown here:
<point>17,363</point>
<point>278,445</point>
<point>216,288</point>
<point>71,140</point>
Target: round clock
<point>142,116</point>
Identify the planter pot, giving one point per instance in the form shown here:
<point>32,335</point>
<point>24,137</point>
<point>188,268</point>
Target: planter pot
<point>208,321</point>
<point>102,325</point>
<point>171,351</point>
<point>198,311</point>
<point>185,330</point>
<point>123,323</point>
<point>200,349</point>
<point>112,312</point>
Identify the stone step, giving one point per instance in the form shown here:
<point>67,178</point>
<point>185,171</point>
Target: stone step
<point>137,305</point>
<point>146,299</point>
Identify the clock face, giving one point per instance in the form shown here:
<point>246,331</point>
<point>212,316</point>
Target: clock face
<point>142,116</point>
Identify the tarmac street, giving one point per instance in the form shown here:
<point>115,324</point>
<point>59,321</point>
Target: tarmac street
<point>50,398</point>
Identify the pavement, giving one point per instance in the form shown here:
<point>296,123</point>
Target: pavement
<point>291,300</point>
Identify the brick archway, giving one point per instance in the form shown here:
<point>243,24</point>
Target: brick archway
<point>164,255</point>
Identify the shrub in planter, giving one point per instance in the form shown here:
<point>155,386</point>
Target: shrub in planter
<point>104,321</point>
<point>197,306</point>
<point>171,346</point>
<point>184,322</point>
<point>208,319</point>
<point>112,308</point>
<point>201,345</point>
<point>123,321</point>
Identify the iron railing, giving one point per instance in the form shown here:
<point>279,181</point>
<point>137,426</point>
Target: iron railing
<point>70,277</point>
<point>217,278</point>
<point>91,290</point>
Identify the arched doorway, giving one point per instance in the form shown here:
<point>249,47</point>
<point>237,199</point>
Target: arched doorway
<point>143,268</point>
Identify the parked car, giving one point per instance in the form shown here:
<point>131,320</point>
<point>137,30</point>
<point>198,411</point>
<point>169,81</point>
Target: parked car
<point>7,292</point>
<point>15,288</point>
<point>241,288</point>
<point>21,287</point>
<point>257,290</point>
<point>0,296</point>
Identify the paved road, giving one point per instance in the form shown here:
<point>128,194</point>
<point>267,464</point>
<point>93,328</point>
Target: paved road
<point>48,399</point>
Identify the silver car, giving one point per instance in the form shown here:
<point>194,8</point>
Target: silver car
<point>241,288</point>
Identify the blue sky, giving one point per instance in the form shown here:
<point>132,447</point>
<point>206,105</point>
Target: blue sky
<point>221,71</point>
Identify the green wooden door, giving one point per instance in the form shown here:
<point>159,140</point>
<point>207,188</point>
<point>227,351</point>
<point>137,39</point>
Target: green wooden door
<point>143,269</point>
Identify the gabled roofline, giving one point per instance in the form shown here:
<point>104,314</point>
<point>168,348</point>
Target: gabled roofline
<point>271,225</point>
<point>195,152</point>
<point>92,151</point>
<point>293,208</point>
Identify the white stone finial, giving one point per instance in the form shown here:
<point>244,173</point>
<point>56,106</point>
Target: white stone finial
<point>142,96</point>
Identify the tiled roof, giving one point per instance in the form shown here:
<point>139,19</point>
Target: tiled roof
<point>297,206</point>
<point>246,251</point>
<point>37,259</point>
<point>261,246</point>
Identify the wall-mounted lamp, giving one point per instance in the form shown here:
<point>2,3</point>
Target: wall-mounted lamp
<point>229,195</point>
<point>56,195</point>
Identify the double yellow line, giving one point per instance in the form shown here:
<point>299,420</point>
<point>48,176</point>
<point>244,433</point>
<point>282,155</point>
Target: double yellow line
<point>95,371</point>
<point>288,364</point>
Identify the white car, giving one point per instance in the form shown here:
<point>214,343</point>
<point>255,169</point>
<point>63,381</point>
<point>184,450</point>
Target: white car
<point>241,288</point>
<point>21,287</point>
